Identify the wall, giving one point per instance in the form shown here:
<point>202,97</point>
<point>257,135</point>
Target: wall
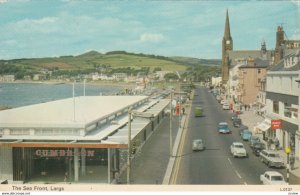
<point>6,164</point>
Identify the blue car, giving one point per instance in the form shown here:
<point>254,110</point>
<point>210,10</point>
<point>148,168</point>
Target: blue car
<point>246,135</point>
<point>223,128</point>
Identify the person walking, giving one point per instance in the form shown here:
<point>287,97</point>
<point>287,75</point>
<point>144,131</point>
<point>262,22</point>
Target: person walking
<point>292,161</point>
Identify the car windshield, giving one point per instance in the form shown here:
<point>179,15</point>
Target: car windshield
<point>223,126</point>
<point>273,155</point>
<point>276,178</point>
<point>247,132</point>
<point>239,146</point>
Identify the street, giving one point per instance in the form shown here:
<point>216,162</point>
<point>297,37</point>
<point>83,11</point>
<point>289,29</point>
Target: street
<point>214,165</point>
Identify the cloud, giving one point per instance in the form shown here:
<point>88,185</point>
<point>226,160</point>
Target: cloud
<point>151,37</point>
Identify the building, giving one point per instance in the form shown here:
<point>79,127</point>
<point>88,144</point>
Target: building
<point>250,75</point>
<point>283,45</point>
<point>282,99</point>
<point>7,78</point>
<point>82,139</point>
<point>227,45</point>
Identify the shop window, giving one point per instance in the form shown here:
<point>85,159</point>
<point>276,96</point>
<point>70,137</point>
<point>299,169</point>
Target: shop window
<point>276,107</point>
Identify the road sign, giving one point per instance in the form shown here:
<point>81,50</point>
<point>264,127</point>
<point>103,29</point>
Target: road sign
<point>287,150</point>
<point>276,124</point>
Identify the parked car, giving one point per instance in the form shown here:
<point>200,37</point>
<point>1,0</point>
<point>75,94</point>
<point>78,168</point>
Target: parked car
<point>237,149</point>
<point>246,135</point>
<point>237,122</point>
<point>272,178</point>
<point>225,106</point>
<point>234,116</point>
<point>258,147</point>
<point>242,128</point>
<point>198,145</point>
<point>223,101</point>
<point>198,111</point>
<point>223,128</point>
<point>253,140</point>
<point>271,158</point>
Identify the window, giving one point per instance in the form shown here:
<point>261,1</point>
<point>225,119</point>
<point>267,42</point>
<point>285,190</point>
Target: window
<point>276,107</point>
<point>287,110</point>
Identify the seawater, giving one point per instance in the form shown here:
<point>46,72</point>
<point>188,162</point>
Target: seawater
<point>22,94</point>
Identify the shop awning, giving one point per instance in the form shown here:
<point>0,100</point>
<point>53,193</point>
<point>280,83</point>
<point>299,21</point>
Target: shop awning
<point>264,125</point>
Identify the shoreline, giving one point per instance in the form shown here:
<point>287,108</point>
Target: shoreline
<point>54,82</point>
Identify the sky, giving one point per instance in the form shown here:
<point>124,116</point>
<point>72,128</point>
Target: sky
<point>195,28</point>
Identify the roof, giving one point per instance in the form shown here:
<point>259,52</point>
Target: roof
<point>258,63</point>
<point>243,54</point>
<point>273,173</point>
<point>280,66</point>
<point>67,113</point>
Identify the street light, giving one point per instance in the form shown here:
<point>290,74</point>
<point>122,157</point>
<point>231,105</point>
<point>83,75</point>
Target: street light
<point>137,114</point>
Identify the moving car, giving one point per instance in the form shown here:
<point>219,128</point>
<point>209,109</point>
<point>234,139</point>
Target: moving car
<point>271,158</point>
<point>237,122</point>
<point>225,106</point>
<point>246,135</point>
<point>198,145</point>
<point>198,111</point>
<point>237,149</point>
<point>272,178</point>
<point>258,147</point>
<point>223,128</point>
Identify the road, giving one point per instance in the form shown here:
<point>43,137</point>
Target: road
<point>215,165</point>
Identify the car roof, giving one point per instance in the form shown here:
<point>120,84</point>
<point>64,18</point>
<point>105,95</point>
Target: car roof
<point>270,151</point>
<point>273,173</point>
<point>223,123</point>
<point>196,140</point>
<point>237,143</point>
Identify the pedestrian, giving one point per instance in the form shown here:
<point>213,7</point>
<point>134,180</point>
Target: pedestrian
<point>276,143</point>
<point>269,143</point>
<point>66,177</point>
<point>292,161</point>
<point>183,110</point>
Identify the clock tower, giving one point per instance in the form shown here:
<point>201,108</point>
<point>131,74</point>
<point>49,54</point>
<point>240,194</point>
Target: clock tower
<point>227,45</point>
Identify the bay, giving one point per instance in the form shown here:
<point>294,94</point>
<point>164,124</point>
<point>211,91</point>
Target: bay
<point>22,94</point>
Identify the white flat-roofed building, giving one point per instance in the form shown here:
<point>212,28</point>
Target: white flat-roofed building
<point>87,137</point>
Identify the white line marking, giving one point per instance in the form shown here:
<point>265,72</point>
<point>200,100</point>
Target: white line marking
<point>229,161</point>
<point>238,174</point>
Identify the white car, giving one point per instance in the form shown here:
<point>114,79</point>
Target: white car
<point>225,106</point>
<point>272,178</point>
<point>271,158</point>
<point>223,102</point>
<point>198,145</point>
<point>237,149</point>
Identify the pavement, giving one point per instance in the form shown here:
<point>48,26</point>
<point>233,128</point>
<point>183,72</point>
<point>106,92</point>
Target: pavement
<point>250,119</point>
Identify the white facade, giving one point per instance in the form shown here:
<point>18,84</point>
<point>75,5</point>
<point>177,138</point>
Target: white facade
<point>216,81</point>
<point>283,84</point>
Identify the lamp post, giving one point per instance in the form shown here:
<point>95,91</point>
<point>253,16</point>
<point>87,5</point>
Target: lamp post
<point>287,151</point>
<point>130,114</point>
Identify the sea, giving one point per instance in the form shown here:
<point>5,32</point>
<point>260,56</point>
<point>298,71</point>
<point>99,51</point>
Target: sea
<point>14,95</point>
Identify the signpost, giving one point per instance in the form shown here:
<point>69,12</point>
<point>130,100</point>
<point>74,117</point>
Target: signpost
<point>276,124</point>
<point>287,151</point>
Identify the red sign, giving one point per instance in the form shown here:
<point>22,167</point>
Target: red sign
<point>276,124</point>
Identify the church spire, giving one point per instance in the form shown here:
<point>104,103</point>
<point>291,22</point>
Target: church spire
<point>227,27</point>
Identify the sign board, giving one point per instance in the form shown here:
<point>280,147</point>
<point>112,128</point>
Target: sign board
<point>276,124</point>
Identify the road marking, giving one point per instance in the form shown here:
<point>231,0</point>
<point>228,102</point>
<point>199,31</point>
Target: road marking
<point>245,183</point>
<point>182,143</point>
<point>229,161</point>
<point>236,172</point>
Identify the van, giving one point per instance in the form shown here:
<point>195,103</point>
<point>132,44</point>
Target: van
<point>198,111</point>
